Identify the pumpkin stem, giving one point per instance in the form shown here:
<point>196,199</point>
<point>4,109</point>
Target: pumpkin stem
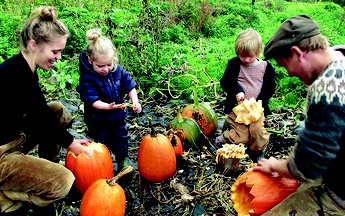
<point>179,115</point>
<point>113,180</point>
<point>195,96</point>
<point>153,131</point>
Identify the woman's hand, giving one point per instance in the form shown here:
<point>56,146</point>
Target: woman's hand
<point>78,146</point>
<point>85,141</point>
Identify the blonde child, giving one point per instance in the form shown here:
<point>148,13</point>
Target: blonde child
<point>103,85</point>
<point>247,76</point>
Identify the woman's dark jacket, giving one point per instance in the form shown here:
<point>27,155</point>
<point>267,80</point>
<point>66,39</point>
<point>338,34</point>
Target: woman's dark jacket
<point>110,88</point>
<point>24,108</point>
<point>230,85</point>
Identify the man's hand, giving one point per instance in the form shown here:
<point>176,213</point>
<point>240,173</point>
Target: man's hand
<point>273,167</point>
<point>266,165</point>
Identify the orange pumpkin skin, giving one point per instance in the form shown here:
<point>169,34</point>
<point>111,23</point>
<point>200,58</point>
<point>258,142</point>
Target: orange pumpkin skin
<point>89,169</point>
<point>156,158</point>
<point>103,199</point>
<point>176,143</point>
<point>254,193</point>
<point>204,115</point>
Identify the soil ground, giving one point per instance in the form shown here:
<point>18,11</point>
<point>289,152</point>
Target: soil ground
<point>199,186</point>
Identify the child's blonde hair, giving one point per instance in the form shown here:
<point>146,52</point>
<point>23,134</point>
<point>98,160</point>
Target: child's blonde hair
<point>99,44</point>
<point>248,41</point>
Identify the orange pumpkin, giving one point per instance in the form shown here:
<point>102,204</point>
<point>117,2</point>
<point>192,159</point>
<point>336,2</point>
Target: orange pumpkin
<point>105,198</point>
<point>254,193</point>
<point>156,157</point>
<point>176,143</point>
<point>203,114</point>
<point>88,169</point>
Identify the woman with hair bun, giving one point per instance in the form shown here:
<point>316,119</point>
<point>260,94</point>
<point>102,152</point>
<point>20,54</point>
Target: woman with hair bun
<point>27,119</point>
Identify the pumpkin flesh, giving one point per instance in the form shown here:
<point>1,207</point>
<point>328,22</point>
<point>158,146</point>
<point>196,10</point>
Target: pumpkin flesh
<point>248,111</point>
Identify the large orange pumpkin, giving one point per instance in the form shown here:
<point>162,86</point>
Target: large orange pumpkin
<point>186,129</point>
<point>254,193</point>
<point>156,157</point>
<point>88,169</point>
<point>105,197</point>
<point>203,114</point>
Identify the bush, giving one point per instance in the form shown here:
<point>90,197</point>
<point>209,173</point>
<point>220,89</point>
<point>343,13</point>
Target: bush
<point>166,45</point>
<point>10,27</point>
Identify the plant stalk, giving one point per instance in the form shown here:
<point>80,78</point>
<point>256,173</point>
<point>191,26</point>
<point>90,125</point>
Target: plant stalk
<point>113,180</point>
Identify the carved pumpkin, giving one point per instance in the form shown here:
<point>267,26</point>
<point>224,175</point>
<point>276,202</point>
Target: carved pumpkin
<point>203,114</point>
<point>175,142</point>
<point>156,157</point>
<point>186,129</point>
<point>229,155</point>
<point>254,193</point>
<point>88,169</point>
<point>105,197</point>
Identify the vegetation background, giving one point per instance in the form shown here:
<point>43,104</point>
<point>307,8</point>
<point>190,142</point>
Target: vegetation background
<point>167,45</point>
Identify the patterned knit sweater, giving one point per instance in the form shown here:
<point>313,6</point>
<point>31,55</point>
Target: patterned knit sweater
<point>320,150</point>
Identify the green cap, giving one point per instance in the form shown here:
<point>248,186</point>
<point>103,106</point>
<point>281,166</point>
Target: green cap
<point>291,32</point>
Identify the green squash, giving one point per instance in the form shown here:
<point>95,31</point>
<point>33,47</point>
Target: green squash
<point>186,129</point>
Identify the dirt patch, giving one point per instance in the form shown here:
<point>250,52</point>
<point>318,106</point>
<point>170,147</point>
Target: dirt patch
<point>198,187</point>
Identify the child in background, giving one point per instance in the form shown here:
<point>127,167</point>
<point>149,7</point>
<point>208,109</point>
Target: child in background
<point>103,84</point>
<point>247,76</point>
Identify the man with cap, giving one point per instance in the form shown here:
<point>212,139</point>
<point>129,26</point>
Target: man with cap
<point>318,157</point>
